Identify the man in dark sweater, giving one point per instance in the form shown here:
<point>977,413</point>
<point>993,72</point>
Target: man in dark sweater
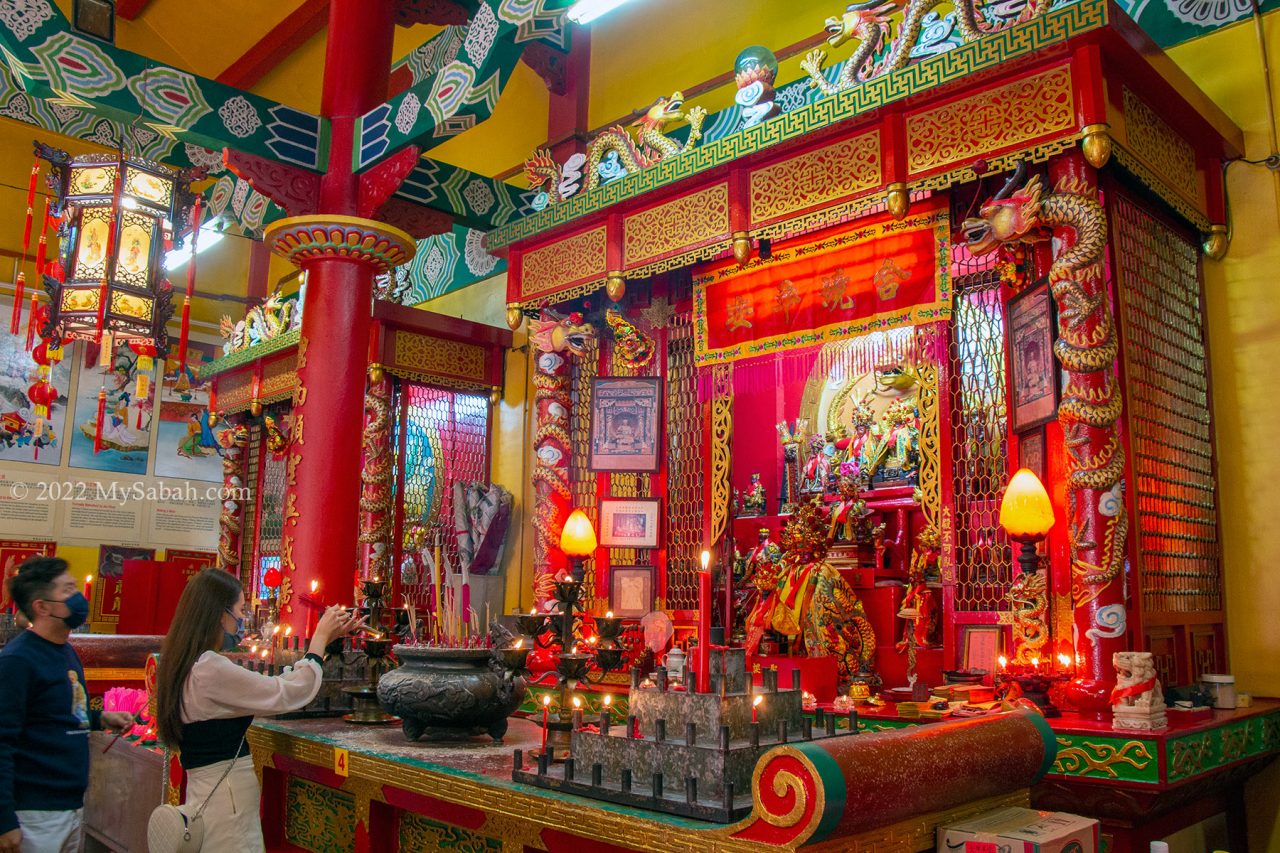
<point>45,718</point>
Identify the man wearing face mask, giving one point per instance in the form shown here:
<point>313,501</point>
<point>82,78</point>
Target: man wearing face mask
<point>44,717</point>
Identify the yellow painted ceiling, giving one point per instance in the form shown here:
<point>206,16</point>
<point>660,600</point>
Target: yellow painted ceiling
<point>644,50</point>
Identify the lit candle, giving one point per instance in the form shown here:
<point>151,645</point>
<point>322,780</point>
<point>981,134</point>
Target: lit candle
<point>608,706</point>
<point>520,643</point>
<point>315,585</point>
<point>88,587</point>
<point>1003,661</point>
<point>704,625</point>
<point>577,713</point>
<point>1065,660</point>
<point>288,629</point>
<point>546,705</point>
<point>1035,664</point>
<point>608,615</point>
<point>755,705</point>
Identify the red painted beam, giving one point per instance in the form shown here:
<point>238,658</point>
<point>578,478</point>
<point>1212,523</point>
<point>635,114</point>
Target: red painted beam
<point>130,9</point>
<point>276,46</point>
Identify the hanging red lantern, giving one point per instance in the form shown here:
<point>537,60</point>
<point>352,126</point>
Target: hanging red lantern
<point>42,395</point>
<point>272,578</point>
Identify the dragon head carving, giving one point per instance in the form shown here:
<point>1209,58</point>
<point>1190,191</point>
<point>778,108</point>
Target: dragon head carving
<point>554,333</point>
<point>857,15</point>
<point>542,172</point>
<point>1010,216</point>
<point>663,111</point>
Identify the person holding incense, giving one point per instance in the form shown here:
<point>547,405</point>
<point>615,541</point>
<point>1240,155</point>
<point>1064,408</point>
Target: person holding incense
<point>205,704</point>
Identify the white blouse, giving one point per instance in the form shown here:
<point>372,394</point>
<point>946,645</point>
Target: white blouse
<point>218,689</point>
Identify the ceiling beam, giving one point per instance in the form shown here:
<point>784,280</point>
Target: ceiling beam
<point>277,45</point>
<point>130,9</point>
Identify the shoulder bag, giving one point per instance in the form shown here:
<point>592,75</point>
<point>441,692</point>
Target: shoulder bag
<point>169,830</point>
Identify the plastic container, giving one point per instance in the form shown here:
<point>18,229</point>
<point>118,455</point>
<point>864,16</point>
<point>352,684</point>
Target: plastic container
<point>1223,688</point>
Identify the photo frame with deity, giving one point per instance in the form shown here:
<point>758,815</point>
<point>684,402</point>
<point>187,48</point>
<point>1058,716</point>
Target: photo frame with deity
<point>629,522</point>
<point>626,414</point>
<point>631,591</point>
<point>1031,452</point>
<point>1033,372</point>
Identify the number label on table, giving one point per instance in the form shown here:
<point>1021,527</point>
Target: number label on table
<point>340,761</point>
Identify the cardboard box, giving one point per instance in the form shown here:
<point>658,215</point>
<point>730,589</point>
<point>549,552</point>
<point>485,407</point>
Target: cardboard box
<point>1016,830</point>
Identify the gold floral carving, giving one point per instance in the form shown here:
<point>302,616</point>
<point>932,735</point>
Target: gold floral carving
<point>930,480</point>
<point>1160,187</point>
<point>234,391</point>
<point>580,258</point>
<point>680,223</point>
<point>1160,147</point>
<point>1100,758</point>
<point>434,355</point>
<point>815,178</point>
<point>279,378</point>
<point>969,128</point>
<point>721,437</point>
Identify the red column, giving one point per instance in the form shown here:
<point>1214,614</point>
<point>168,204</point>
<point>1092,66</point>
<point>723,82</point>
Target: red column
<point>1089,414</point>
<point>321,514</point>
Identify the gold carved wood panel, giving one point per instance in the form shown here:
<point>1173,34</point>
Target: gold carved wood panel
<point>1161,148</point>
<point>816,177</point>
<point>685,222</point>
<point>580,258</point>
<point>234,390</point>
<point>279,378</point>
<point>421,354</point>
<point>990,121</point>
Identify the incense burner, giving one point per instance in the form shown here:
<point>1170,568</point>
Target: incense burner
<point>450,693</point>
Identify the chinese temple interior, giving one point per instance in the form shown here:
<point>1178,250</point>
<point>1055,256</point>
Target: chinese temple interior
<point>735,425</point>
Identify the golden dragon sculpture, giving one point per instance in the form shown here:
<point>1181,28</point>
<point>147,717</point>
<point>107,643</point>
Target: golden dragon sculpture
<point>555,339</point>
<point>376,480</point>
<point>871,24</point>
<point>1087,347</point>
<point>233,440</point>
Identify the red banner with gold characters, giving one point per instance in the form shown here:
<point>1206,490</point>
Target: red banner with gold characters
<point>12,553</point>
<point>868,276</point>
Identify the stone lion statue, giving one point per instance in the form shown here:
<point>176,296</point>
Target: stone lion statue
<point>1137,702</point>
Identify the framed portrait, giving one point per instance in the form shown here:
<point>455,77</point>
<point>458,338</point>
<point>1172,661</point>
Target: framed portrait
<point>625,424</point>
<point>1031,452</point>
<point>629,522</point>
<point>631,591</point>
<point>979,647</point>
<point>1033,373</point>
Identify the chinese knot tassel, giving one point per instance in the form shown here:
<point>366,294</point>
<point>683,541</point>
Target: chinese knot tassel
<point>35,439</point>
<point>31,203</point>
<point>31,322</point>
<point>191,288</point>
<point>42,245</point>
<point>102,416</point>
<point>19,290</point>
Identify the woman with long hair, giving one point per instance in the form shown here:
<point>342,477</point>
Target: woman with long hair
<point>205,704</point>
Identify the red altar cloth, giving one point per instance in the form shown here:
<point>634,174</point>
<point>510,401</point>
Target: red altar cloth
<point>817,675</point>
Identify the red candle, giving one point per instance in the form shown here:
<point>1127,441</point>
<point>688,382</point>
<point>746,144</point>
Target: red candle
<point>546,704</point>
<point>755,705</point>
<point>704,625</point>
<point>88,588</point>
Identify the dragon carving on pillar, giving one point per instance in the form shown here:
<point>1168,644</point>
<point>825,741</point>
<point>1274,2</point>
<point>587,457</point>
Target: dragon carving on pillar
<point>555,339</point>
<point>375,480</point>
<point>870,23</point>
<point>233,440</point>
<point>1091,402</point>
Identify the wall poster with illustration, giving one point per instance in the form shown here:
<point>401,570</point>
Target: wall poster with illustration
<point>1031,452</point>
<point>1033,370</point>
<point>126,430</point>
<point>186,446</point>
<point>18,419</point>
<point>625,424</point>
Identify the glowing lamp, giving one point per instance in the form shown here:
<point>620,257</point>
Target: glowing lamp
<point>272,578</point>
<point>119,213</point>
<point>1026,515</point>
<point>578,541</point>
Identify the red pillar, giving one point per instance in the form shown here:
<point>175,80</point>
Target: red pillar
<point>1089,415</point>
<point>321,514</point>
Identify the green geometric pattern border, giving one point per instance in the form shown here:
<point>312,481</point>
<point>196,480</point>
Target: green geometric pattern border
<point>1059,25</point>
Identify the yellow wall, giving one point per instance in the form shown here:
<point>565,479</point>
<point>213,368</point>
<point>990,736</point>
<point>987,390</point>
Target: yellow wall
<point>1243,314</point>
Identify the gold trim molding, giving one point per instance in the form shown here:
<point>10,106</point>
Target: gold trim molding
<point>815,177</point>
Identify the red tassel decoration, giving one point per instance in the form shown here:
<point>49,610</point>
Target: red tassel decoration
<point>102,416</point>
<point>32,320</point>
<point>191,288</point>
<point>19,290</point>
<point>42,245</point>
<point>31,203</point>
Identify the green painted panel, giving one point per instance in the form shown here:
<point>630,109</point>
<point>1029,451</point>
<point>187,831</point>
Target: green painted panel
<point>1171,22</point>
<point>1099,757</point>
<point>319,818</point>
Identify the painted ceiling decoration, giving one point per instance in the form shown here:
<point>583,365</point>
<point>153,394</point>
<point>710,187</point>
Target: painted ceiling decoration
<point>1171,22</point>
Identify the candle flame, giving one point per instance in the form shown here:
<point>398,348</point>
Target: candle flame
<point>609,615</point>
<point>253,649</point>
<point>275,630</point>
<point>1003,661</point>
<point>577,703</point>
<point>1035,661</point>
<point>593,639</point>
<point>546,699</point>
<point>608,699</point>
<point>264,654</point>
<point>519,643</point>
<point>288,630</point>
<point>759,698</point>
<point>315,585</point>
<point>574,650</point>
<point>88,578</point>
<point>533,611</point>
<point>1065,660</point>
<point>706,560</point>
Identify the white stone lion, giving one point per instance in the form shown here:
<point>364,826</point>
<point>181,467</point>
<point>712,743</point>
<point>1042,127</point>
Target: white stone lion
<point>1138,700</point>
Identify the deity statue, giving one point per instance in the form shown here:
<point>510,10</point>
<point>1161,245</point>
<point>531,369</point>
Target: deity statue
<point>848,514</point>
<point>817,466</point>
<point>791,436</point>
<point>891,453</point>
<point>803,598</point>
<point>753,500</point>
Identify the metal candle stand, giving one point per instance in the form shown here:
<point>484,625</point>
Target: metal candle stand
<point>573,666</point>
<point>365,709</point>
<point>683,752</point>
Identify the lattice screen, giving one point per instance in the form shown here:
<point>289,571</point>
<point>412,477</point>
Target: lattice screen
<point>685,467</point>
<point>446,440</point>
<point>1168,416</point>
<point>979,424</point>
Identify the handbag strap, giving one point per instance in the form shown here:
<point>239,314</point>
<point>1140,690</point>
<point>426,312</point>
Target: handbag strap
<point>225,774</point>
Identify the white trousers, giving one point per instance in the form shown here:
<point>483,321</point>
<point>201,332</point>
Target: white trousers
<point>233,817</point>
<point>51,832</point>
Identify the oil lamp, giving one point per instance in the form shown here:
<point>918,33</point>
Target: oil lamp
<point>1026,516</point>
<point>578,541</point>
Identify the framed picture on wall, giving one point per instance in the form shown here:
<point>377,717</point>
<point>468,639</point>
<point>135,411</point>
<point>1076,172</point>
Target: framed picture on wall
<point>631,591</point>
<point>1033,374</point>
<point>1031,452</point>
<point>979,648</point>
<point>629,522</point>
<point>625,424</point>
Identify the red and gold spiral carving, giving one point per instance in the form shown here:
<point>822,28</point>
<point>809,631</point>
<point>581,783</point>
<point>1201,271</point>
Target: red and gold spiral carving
<point>787,796</point>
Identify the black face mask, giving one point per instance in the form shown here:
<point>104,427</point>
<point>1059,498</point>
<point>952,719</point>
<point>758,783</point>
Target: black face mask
<point>230,641</point>
<point>77,610</point>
